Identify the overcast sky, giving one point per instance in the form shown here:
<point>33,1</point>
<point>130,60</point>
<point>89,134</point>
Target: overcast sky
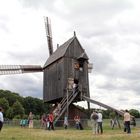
<point>108,30</point>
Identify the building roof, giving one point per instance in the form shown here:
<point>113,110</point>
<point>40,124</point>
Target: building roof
<point>60,52</point>
<point>83,56</point>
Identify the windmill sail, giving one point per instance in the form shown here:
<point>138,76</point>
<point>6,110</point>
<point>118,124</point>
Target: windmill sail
<point>18,69</point>
<point>49,34</point>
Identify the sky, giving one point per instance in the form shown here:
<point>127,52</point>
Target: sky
<point>108,30</point>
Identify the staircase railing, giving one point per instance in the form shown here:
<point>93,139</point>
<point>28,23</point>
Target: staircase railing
<point>65,102</point>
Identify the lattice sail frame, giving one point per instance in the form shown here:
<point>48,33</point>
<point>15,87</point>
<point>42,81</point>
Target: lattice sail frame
<point>19,69</point>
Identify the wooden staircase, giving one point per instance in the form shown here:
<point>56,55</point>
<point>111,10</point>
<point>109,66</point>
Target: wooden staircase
<point>65,102</point>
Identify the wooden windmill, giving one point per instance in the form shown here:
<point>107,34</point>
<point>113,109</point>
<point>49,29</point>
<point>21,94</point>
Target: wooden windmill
<point>66,65</point>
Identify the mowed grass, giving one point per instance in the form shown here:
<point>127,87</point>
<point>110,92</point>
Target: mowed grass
<point>17,133</point>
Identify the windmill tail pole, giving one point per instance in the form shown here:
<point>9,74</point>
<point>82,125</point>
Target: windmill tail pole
<point>103,105</point>
<point>49,34</point>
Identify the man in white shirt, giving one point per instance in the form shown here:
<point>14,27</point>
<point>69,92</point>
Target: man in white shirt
<point>1,118</point>
<point>127,118</point>
<point>99,121</point>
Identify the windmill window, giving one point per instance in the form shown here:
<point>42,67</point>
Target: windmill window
<point>81,63</point>
<point>76,65</point>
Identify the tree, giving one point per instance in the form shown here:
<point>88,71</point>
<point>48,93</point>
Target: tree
<point>18,109</point>
<point>11,97</point>
<point>10,113</point>
<point>106,113</point>
<point>35,105</point>
<point>4,104</point>
<point>134,113</point>
<point>112,115</point>
<point>29,105</point>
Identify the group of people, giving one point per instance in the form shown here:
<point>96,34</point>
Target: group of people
<point>47,121</point>
<point>128,120</point>
<point>96,118</point>
<point>24,122</point>
<point>27,122</point>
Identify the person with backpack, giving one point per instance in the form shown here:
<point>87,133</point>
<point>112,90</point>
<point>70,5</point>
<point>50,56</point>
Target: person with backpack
<point>94,117</point>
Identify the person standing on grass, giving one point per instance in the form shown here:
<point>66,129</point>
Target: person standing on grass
<point>30,119</point>
<point>94,117</point>
<point>65,122</point>
<point>43,121</point>
<point>127,118</point>
<point>51,119</point>
<point>1,118</point>
<point>100,121</point>
<point>77,120</point>
<point>21,122</point>
<point>47,122</point>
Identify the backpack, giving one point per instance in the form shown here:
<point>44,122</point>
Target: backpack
<point>94,116</point>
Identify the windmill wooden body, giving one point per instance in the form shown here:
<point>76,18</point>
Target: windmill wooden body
<point>69,61</point>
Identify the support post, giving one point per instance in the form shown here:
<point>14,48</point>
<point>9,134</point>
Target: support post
<point>117,120</point>
<point>67,103</point>
<point>88,104</point>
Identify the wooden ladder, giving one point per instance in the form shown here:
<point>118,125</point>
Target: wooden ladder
<point>65,103</point>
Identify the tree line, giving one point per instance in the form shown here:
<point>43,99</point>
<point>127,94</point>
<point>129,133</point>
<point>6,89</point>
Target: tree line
<point>110,114</point>
<point>16,106</point>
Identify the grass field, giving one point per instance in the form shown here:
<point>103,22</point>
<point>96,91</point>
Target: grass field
<point>17,133</point>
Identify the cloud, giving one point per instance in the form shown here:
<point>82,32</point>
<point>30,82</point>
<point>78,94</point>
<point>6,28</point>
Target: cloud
<point>25,84</point>
<point>38,56</point>
<point>37,4</point>
<point>3,26</point>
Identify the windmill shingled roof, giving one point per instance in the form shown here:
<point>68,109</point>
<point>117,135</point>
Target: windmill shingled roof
<point>60,52</point>
<point>83,55</point>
